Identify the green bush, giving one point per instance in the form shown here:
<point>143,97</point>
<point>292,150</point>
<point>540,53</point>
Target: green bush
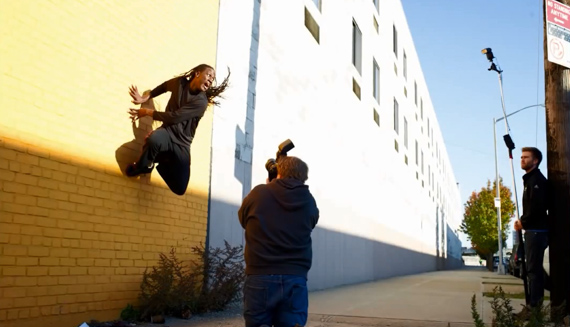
<point>505,316</point>
<point>208,283</point>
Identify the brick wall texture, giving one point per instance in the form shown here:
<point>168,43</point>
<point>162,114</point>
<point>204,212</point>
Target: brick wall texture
<point>75,234</point>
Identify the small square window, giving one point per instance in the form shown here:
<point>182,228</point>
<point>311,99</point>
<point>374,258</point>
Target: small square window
<point>376,117</point>
<point>312,25</point>
<point>356,88</point>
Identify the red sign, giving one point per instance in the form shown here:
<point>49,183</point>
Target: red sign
<point>558,13</point>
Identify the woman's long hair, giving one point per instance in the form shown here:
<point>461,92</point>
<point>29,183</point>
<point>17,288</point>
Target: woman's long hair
<point>214,91</point>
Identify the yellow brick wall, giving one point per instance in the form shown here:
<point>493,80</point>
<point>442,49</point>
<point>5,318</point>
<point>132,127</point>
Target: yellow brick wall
<point>75,234</point>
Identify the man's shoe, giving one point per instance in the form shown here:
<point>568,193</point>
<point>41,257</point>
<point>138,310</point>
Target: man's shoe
<point>133,170</point>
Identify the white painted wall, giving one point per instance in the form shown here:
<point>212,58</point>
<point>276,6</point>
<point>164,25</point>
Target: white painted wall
<point>376,218</point>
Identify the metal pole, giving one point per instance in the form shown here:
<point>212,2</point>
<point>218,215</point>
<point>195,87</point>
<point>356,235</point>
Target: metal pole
<point>500,267</point>
<point>510,152</point>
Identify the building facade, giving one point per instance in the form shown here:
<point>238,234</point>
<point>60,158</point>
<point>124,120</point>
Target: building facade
<point>75,234</point>
<point>342,80</point>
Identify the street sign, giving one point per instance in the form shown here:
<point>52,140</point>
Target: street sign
<point>497,202</point>
<point>558,32</point>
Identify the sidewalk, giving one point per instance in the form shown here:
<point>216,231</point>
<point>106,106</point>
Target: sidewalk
<point>433,299</point>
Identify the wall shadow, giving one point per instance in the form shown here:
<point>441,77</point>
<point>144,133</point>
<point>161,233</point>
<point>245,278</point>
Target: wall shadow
<point>130,152</point>
<point>244,139</point>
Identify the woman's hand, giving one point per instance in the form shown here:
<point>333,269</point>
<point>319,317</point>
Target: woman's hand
<point>137,98</point>
<point>138,113</point>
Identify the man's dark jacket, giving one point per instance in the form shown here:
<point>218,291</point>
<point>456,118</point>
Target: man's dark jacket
<point>535,201</point>
<point>278,219</point>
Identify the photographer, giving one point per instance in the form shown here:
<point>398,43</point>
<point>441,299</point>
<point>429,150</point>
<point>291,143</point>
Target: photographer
<point>278,218</point>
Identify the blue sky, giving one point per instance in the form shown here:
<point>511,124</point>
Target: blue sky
<point>449,36</point>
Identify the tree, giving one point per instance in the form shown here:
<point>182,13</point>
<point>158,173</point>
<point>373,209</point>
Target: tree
<point>480,220</point>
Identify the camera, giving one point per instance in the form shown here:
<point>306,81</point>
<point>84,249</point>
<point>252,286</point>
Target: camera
<point>271,164</point>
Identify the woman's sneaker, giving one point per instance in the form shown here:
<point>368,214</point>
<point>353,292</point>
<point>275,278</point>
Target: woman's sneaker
<point>133,170</point>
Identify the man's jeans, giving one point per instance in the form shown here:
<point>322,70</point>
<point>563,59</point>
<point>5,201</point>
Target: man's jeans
<point>535,245</point>
<point>275,300</point>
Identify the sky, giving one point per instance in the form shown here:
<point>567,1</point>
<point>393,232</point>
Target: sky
<point>448,37</point>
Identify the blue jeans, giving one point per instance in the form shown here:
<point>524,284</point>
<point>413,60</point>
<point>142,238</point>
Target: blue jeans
<point>275,300</point>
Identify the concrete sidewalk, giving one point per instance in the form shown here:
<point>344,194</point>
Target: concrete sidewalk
<point>433,299</point>
<point>442,296</point>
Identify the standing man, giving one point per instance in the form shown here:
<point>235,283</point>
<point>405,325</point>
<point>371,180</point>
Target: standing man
<point>535,223</point>
<point>278,218</point>
<point>169,145</point>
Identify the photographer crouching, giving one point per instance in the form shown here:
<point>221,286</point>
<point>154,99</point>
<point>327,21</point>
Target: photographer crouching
<point>278,218</point>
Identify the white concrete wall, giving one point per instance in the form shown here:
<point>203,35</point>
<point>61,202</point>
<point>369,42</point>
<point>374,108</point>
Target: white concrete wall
<point>376,218</point>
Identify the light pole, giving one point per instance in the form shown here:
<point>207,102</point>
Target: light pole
<point>500,268</point>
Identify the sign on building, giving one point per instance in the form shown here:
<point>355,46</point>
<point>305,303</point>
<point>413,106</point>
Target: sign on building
<point>558,32</point>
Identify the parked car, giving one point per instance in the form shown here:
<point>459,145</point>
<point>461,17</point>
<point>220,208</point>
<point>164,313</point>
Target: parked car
<point>496,263</point>
<point>515,261</point>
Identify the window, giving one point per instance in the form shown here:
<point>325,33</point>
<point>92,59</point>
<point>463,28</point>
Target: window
<point>417,157</point>
<point>405,68</point>
<point>318,3</point>
<point>376,117</point>
<point>396,147</point>
<point>356,47</point>
<point>311,24</point>
<point>377,5</point>
<point>395,40</point>
<point>422,108</point>
<point>356,88</point>
<point>429,175</point>
<point>376,27</point>
<point>428,127</point>
<point>405,132</point>
<point>422,162</point>
<point>416,93</point>
<point>405,92</point>
<point>396,117</point>
<point>376,80</point>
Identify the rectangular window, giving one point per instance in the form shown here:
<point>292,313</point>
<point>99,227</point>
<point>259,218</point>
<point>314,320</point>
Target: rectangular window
<point>422,108</point>
<point>318,3</point>
<point>376,80</point>
<point>417,157</point>
<point>396,117</point>
<point>428,127</point>
<point>405,132</point>
<point>429,175</point>
<point>377,5</point>
<point>356,47</point>
<point>416,93</point>
<point>312,25</point>
<point>422,162</point>
<point>396,146</point>
<point>405,92</point>
<point>376,117</point>
<point>395,40</point>
<point>405,68</point>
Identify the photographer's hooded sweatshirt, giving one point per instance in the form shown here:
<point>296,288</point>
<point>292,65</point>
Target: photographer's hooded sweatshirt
<point>278,219</point>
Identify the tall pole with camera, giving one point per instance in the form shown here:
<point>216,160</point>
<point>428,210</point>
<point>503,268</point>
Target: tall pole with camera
<point>510,145</point>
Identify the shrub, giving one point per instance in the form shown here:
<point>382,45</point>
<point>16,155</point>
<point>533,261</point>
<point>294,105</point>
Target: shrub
<point>209,283</point>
